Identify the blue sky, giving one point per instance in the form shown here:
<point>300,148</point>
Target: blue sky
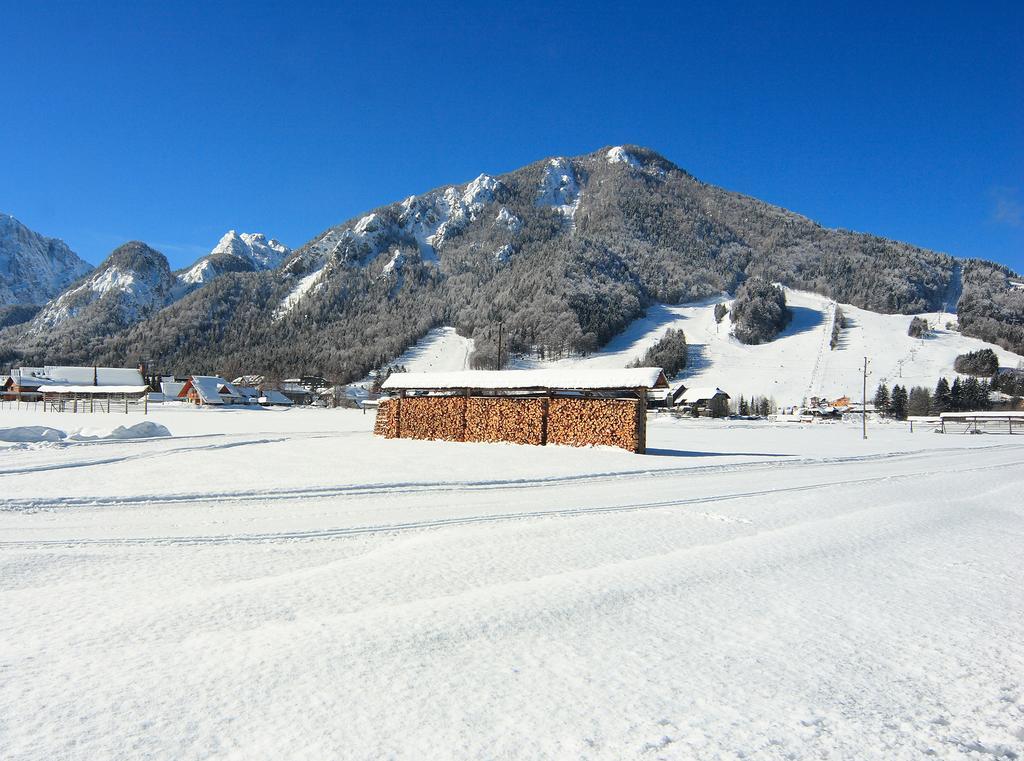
<point>174,122</point>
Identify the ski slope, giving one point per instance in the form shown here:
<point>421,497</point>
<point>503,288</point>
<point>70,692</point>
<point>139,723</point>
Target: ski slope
<point>441,350</point>
<point>282,584</point>
<point>798,363</point>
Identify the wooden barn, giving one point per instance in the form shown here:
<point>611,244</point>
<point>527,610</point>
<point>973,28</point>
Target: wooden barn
<point>571,407</point>
<point>78,388</point>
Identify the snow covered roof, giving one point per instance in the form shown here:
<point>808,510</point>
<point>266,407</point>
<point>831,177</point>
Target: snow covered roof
<point>28,376</point>
<point>171,388</point>
<point>274,397</point>
<point>636,377</point>
<point>247,391</point>
<point>61,388</point>
<point>84,376</point>
<point>212,389</point>
<point>53,376</point>
<point>700,393</point>
<point>1013,414</point>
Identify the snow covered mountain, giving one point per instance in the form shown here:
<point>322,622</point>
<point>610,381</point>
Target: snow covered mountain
<point>566,253</point>
<point>34,268</point>
<point>131,284</point>
<point>134,283</point>
<point>245,252</point>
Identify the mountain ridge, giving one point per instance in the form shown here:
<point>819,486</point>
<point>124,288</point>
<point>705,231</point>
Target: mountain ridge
<point>564,252</point>
<point>33,267</point>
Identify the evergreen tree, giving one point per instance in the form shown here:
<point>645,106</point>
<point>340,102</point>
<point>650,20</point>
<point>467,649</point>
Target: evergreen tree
<point>744,407</point>
<point>919,401</point>
<point>956,396</point>
<point>971,395</point>
<point>882,399</point>
<point>941,399</point>
<point>984,388</point>
<point>898,403</point>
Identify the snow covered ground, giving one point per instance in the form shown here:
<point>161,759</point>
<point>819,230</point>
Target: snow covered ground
<point>799,362</point>
<point>281,584</point>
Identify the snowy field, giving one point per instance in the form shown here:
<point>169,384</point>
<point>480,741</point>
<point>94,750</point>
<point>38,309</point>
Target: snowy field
<point>281,584</point>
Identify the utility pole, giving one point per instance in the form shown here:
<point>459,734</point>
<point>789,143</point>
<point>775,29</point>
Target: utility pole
<point>864,404</point>
<point>499,344</point>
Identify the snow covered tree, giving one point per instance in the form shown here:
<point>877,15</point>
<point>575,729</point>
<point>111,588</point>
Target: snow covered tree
<point>759,311</point>
<point>919,401</point>
<point>669,353</point>
<point>882,399</point>
<point>898,403</point>
<point>981,362</point>
<point>940,399</point>
<point>956,396</point>
<point>744,407</point>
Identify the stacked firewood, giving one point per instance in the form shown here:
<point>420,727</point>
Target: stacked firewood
<point>519,421</point>
<point>386,424</point>
<point>433,417</point>
<point>572,421</point>
<point>606,422</point>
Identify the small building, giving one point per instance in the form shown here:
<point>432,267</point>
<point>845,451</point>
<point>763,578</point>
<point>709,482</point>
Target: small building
<point>23,384</point>
<point>248,380</point>
<point>211,390</point>
<point>306,389</point>
<point>570,407</point>
<point>171,387</point>
<point>249,394</point>
<point>60,384</point>
<point>273,398</point>
<point>704,400</point>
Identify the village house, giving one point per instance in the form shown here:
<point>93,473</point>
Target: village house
<point>274,398</point>
<point>210,390</point>
<point>703,401</point>
<point>23,384</point>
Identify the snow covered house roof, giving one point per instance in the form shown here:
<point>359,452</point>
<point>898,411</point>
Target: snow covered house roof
<point>211,389</point>
<point>248,392</point>
<point>701,394</point>
<point>94,376</point>
<point>271,396</point>
<point>55,378</point>
<point>576,380</point>
<point>27,376</point>
<point>65,388</point>
<point>171,389</point>
<point>248,380</point>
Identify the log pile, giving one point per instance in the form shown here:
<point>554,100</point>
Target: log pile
<point>571,421</point>
<point>433,417</point>
<point>519,421</point>
<point>386,424</point>
<point>605,422</point>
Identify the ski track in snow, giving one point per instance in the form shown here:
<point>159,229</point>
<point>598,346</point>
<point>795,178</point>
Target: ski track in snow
<point>293,587</point>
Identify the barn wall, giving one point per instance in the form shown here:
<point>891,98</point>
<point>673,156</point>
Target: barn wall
<point>573,422</point>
